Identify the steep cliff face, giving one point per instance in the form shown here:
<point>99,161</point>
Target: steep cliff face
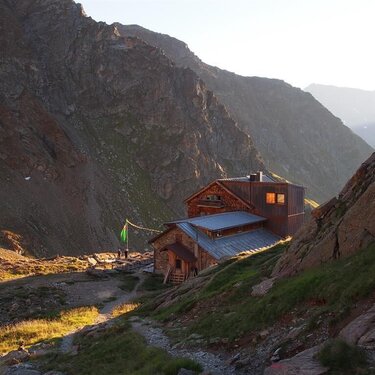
<point>341,227</point>
<point>298,138</point>
<point>96,127</point>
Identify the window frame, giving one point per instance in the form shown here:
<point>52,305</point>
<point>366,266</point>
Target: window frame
<point>277,198</point>
<point>268,194</point>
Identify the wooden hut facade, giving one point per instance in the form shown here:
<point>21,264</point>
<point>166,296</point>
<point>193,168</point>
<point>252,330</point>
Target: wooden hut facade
<point>227,217</point>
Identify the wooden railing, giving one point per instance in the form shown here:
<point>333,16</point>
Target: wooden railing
<point>167,274</point>
<point>176,277</point>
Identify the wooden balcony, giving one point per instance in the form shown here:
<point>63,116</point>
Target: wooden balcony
<point>210,203</point>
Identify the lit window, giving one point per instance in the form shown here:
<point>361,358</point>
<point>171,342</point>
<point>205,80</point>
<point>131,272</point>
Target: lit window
<point>280,198</point>
<point>270,198</point>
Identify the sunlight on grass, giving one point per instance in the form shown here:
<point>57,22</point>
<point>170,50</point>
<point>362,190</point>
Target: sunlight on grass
<point>311,202</point>
<point>33,331</point>
<point>124,308</point>
<point>118,350</point>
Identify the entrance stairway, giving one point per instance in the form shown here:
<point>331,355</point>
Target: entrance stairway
<point>176,278</point>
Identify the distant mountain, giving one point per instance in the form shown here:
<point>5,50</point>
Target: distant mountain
<point>297,137</point>
<point>355,107</point>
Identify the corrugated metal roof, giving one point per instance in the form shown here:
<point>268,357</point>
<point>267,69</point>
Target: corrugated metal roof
<point>265,178</point>
<point>221,221</point>
<point>229,246</point>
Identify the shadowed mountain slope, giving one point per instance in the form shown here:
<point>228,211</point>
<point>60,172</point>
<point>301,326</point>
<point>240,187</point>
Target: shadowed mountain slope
<point>297,137</point>
<point>96,127</point>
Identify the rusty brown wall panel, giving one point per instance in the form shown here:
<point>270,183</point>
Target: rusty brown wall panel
<point>278,225</point>
<point>294,224</point>
<point>255,193</point>
<point>296,199</point>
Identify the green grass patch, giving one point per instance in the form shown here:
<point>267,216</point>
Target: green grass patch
<point>119,350</point>
<point>342,358</point>
<point>128,281</point>
<point>227,309</point>
<point>153,283</point>
<point>33,331</point>
<point>230,282</point>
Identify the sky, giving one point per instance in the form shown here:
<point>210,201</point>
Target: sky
<point>299,41</point>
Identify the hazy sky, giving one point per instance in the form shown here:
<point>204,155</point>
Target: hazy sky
<point>299,41</point>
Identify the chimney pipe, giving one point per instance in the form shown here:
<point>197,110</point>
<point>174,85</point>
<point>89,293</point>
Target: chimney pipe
<point>260,176</point>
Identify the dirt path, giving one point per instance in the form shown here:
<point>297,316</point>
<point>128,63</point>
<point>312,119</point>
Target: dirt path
<point>105,314</point>
<point>212,363</point>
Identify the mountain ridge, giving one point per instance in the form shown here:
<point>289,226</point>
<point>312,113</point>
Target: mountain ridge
<point>125,131</point>
<point>297,137</point>
<point>354,106</point>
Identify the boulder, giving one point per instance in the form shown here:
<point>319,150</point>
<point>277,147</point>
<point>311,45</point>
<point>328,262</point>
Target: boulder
<point>184,371</point>
<point>92,261</point>
<point>361,330</point>
<point>262,288</point>
<point>303,363</point>
<point>15,357</point>
<point>21,371</point>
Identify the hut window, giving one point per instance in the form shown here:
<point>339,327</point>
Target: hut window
<point>280,198</point>
<point>213,197</point>
<point>270,198</point>
<point>178,264</point>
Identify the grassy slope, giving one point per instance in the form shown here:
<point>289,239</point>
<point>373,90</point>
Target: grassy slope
<point>33,331</point>
<point>118,350</point>
<point>331,290</point>
<point>119,161</point>
<point>13,266</point>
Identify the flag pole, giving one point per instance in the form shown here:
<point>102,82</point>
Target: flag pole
<point>127,237</point>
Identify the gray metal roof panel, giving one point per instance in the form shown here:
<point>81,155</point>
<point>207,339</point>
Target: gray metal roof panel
<point>265,178</point>
<point>224,220</point>
<point>228,246</point>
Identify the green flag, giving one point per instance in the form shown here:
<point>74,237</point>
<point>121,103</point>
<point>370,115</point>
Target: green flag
<point>124,232</point>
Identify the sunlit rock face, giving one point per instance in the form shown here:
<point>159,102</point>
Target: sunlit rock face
<point>341,227</point>
<point>96,127</point>
<point>297,137</point>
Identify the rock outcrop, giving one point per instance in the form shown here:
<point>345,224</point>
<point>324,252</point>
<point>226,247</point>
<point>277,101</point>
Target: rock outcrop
<point>297,137</point>
<point>338,228</point>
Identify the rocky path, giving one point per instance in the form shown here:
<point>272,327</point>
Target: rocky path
<point>212,363</point>
<point>104,316</point>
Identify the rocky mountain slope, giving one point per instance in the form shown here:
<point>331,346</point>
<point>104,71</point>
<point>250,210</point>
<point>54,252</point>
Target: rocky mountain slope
<point>96,127</point>
<point>98,124</point>
<point>354,106</point>
<point>298,138</point>
<point>339,228</point>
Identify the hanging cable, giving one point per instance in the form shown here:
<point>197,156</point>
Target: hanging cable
<point>143,228</point>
